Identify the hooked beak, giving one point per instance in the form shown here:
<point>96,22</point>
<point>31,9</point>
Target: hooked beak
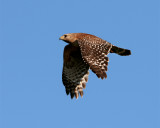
<point>61,38</point>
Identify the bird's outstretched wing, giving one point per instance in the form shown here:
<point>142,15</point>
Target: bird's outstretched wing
<point>75,71</point>
<point>94,51</point>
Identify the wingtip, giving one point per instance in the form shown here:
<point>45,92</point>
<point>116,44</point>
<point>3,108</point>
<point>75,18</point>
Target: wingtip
<point>81,93</point>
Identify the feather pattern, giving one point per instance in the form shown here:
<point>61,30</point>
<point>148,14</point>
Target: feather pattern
<point>94,51</point>
<point>75,71</point>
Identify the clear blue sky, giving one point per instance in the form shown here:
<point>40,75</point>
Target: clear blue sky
<point>31,58</point>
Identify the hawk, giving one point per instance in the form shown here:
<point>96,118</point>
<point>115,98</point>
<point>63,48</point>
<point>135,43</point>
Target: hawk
<point>84,52</point>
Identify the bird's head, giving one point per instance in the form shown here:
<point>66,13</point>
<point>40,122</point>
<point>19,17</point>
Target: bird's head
<point>69,38</point>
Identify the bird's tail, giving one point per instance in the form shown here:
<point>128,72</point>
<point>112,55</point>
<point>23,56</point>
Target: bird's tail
<point>120,51</point>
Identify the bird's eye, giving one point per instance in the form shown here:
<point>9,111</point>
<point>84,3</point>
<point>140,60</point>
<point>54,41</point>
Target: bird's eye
<point>65,36</point>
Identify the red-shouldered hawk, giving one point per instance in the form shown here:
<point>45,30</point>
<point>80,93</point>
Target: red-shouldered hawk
<point>85,52</point>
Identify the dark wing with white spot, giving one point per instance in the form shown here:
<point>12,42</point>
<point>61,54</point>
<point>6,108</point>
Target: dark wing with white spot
<point>94,51</point>
<point>75,71</point>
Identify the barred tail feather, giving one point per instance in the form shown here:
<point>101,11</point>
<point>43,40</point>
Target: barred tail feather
<point>120,51</point>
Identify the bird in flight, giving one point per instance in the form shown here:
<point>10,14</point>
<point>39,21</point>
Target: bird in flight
<point>84,52</point>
